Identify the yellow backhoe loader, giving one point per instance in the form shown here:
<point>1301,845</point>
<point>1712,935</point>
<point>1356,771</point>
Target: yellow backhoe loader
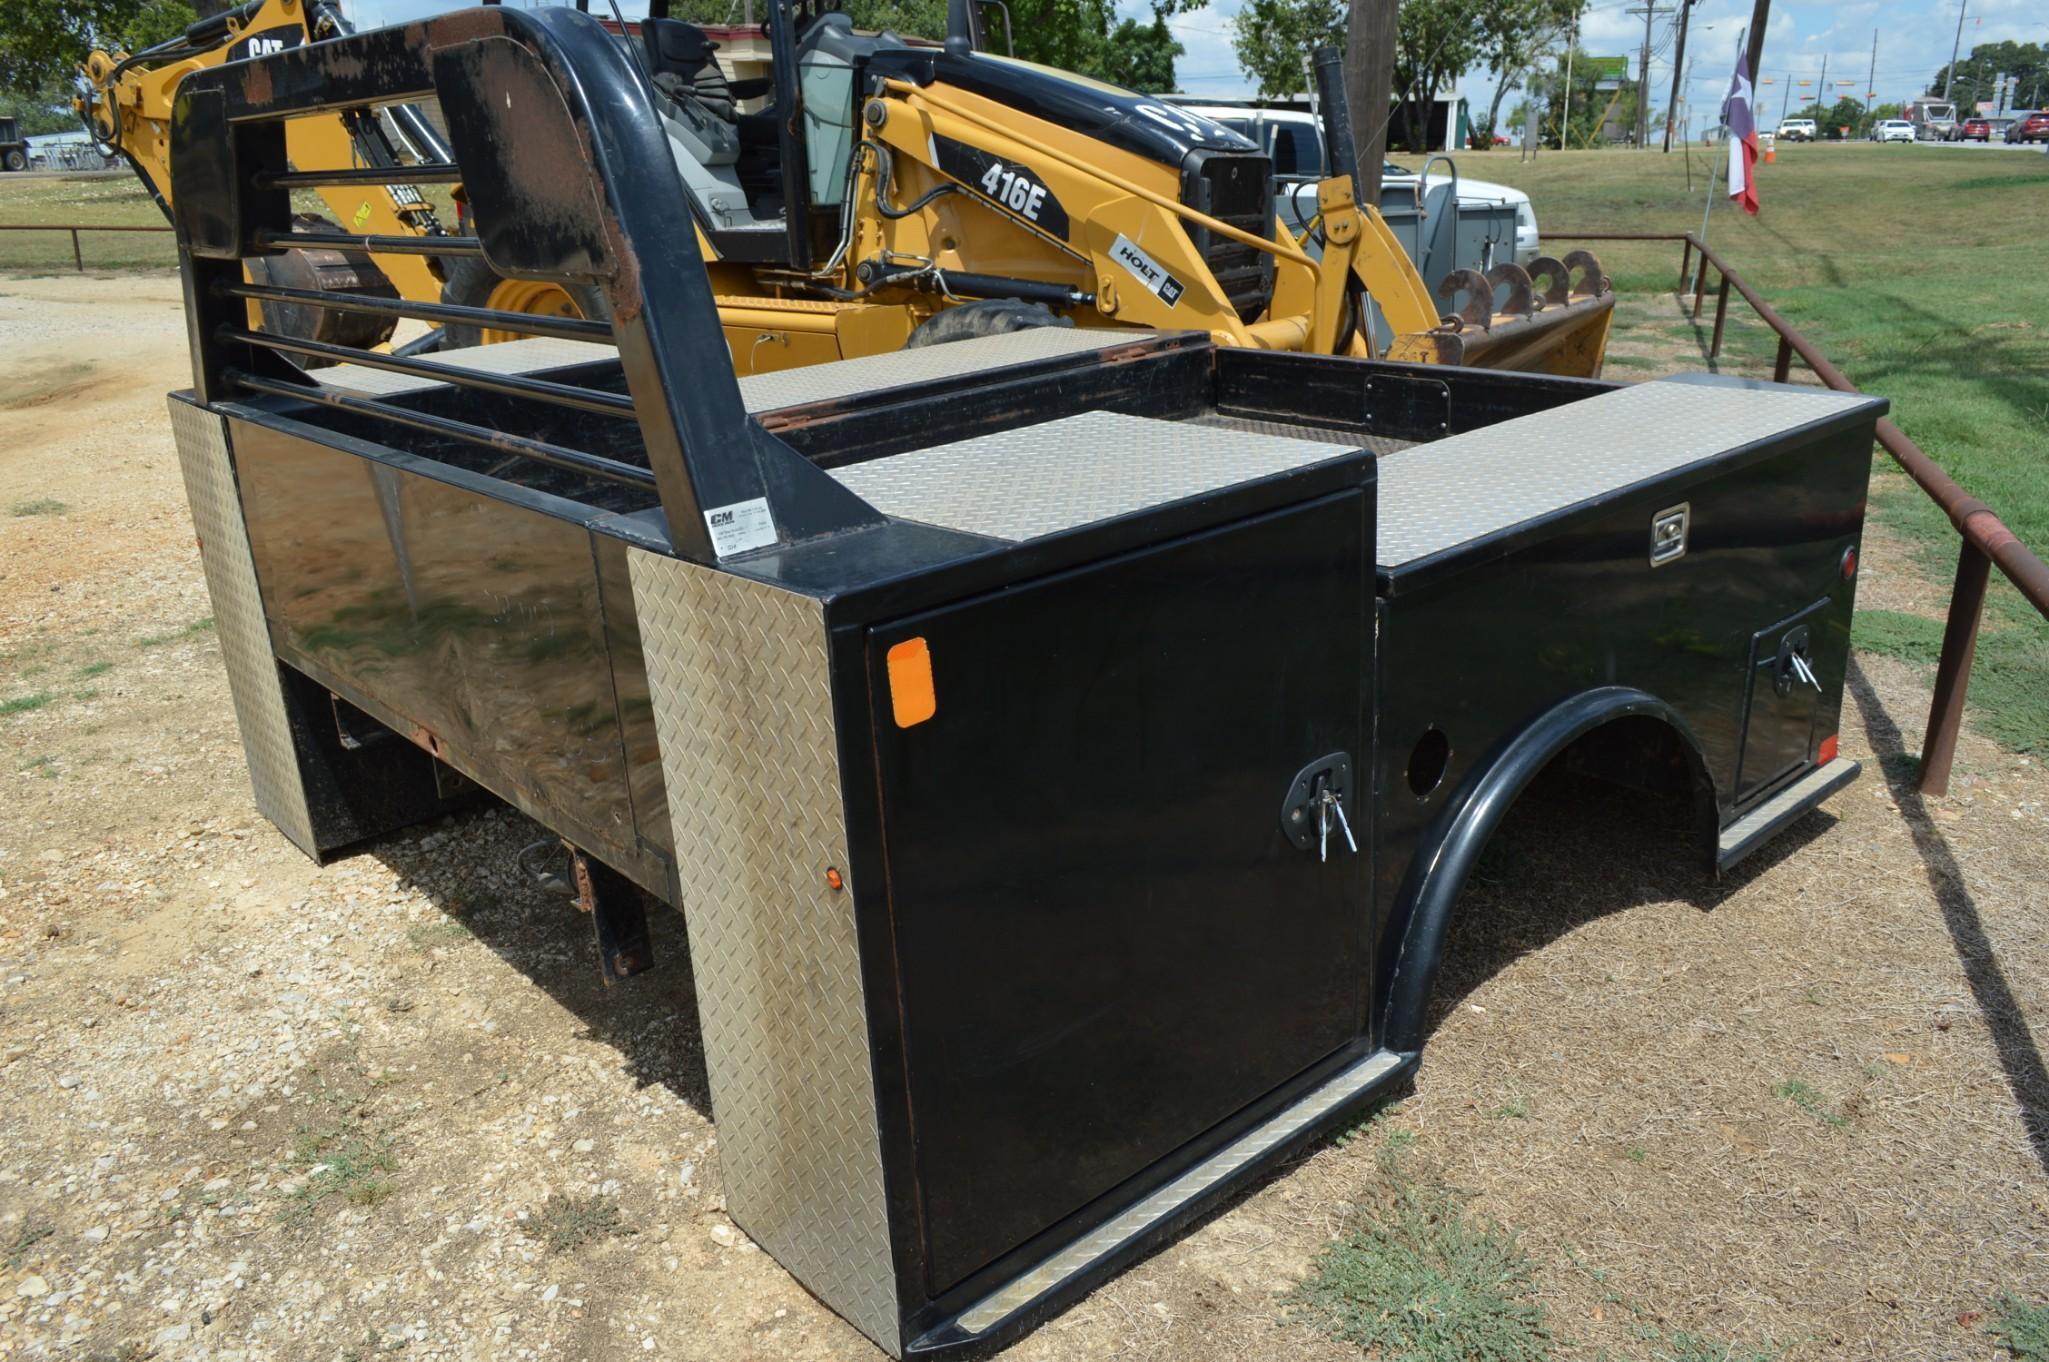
<point>873,192</point>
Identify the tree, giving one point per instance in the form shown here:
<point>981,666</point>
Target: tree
<point>1514,33</point>
<point>1589,103</point>
<point>1274,40</point>
<point>45,110</point>
<point>1977,74</point>
<point>1436,39</point>
<point>41,42</point>
<point>1141,56</point>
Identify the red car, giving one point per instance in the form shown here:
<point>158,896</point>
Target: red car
<point>1976,130</point>
<point>2033,128</point>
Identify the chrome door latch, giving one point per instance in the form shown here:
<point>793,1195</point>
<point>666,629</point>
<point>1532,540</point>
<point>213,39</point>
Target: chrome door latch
<point>1315,804</point>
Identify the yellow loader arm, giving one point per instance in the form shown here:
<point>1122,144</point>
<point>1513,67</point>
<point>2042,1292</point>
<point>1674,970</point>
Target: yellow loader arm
<point>128,107</point>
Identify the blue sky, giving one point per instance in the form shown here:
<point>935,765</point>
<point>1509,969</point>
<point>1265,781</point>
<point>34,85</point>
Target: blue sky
<point>1913,42</point>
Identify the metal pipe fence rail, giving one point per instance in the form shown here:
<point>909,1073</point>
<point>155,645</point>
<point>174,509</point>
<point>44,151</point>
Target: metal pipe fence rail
<point>78,254</point>
<point>1986,541</point>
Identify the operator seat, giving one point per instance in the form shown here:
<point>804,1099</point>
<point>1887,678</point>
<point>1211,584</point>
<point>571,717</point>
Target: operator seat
<point>681,59</point>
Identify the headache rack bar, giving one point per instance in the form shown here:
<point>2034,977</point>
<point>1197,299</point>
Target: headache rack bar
<point>570,460</point>
<point>509,385</point>
<point>277,239</point>
<point>529,323</point>
<point>321,179</point>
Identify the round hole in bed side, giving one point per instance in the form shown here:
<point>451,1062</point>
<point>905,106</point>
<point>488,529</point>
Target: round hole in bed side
<point>1427,762</point>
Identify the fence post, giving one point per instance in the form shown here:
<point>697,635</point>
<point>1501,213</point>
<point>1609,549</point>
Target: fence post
<point>1953,673</point>
<point>1783,366</point>
<point>1721,315</point>
<point>1699,285</point>
<point>77,256</point>
<point>1685,259</point>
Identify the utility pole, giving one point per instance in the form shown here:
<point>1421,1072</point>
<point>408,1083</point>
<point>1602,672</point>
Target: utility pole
<point>1650,12</point>
<point>1820,95</point>
<point>1760,15</point>
<point>1786,104</point>
<point>1571,46</point>
<point>1949,77</point>
<point>1370,35</point>
<point>1871,81</point>
<point>1678,65</point>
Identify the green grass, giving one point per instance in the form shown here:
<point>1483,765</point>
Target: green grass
<point>2009,680</point>
<point>1909,268</point>
<point>2023,1328</point>
<point>1422,1278</point>
<point>1803,1096</point>
<point>179,635</point>
<point>105,200</point>
<point>22,704</point>
<point>92,669</point>
<point>37,505</point>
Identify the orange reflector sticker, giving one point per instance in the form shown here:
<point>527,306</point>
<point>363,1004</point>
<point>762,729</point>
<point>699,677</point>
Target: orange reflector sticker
<point>1828,750</point>
<point>910,683</point>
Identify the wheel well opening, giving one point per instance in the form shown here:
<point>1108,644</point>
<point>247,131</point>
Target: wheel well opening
<point>1620,817</point>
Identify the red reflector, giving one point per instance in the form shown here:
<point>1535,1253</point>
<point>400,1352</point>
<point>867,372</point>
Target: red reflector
<point>1849,562</point>
<point>1828,750</point>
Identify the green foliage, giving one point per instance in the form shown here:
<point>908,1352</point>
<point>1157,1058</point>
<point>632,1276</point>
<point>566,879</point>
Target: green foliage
<point>1588,104</point>
<point>1272,37</point>
<point>42,110</point>
<point>2023,1328</point>
<point>1513,35</point>
<point>1975,75</point>
<point>1425,1280</point>
<point>23,704</point>
<point>1434,41</point>
<point>1804,1096</point>
<point>41,42</point>
<point>1140,56</point>
<point>38,506</point>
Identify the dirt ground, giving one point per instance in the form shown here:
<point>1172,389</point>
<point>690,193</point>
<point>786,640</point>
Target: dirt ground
<point>251,1108</point>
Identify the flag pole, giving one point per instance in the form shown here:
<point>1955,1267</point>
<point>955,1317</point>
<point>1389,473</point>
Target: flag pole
<point>1713,165</point>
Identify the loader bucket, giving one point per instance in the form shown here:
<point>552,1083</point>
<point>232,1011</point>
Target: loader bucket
<point>1552,318</point>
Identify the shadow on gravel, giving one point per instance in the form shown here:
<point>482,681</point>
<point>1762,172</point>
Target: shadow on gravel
<point>1573,850</point>
<point>650,1018</point>
<point>2026,1075</point>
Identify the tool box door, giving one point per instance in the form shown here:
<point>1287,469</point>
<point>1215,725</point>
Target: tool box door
<point>1782,704</point>
<point>1106,944</point>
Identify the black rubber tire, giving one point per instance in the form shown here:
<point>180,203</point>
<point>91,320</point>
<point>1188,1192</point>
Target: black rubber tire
<point>467,281</point>
<point>17,160</point>
<point>989,317</point>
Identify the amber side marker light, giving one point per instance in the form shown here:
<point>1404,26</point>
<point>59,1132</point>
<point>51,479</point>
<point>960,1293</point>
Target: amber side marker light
<point>911,699</point>
<point>1849,562</point>
<point>1828,751</point>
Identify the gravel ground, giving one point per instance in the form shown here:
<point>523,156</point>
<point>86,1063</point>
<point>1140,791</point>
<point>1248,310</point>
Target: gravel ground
<point>251,1108</point>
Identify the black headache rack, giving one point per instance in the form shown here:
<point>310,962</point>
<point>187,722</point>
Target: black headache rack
<point>1064,747</point>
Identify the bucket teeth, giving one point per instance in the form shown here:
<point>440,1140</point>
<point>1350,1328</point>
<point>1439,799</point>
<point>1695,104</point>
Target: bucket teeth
<point>1592,283</point>
<point>1555,279</point>
<point>1473,295</point>
<point>1511,287</point>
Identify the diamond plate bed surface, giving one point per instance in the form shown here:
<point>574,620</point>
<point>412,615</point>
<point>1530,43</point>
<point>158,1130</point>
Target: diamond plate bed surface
<point>1039,480</point>
<point>524,356</point>
<point>1439,495</point>
<point>738,675</point>
<point>253,684</point>
<point>760,392</point>
<point>824,382</point>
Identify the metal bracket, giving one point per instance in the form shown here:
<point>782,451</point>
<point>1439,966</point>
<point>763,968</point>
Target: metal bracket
<point>618,911</point>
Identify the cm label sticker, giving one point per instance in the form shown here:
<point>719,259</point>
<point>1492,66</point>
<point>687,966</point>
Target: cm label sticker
<point>1010,185</point>
<point>1147,271</point>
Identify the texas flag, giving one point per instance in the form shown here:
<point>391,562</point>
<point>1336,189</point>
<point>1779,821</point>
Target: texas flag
<point>1742,137</point>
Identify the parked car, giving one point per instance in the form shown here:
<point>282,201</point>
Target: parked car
<point>1975,130</point>
<point>2033,127</point>
<point>1892,130</point>
<point>1294,139</point>
<point>1798,129</point>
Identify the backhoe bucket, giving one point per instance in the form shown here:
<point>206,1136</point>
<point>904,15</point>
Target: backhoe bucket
<point>1552,318</point>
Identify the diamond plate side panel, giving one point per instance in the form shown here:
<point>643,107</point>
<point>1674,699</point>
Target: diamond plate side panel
<point>739,676</point>
<point>955,359</point>
<point>238,618</point>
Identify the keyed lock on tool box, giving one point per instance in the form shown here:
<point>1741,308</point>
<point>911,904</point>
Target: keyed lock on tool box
<point>1795,663</point>
<point>1315,806</point>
